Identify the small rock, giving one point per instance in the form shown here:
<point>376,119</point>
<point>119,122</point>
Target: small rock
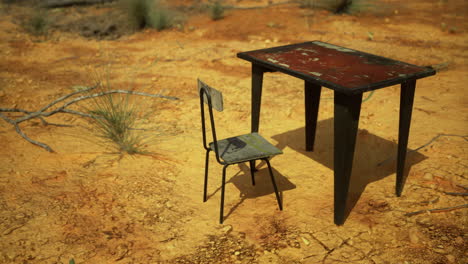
<point>345,255</point>
<point>227,229</point>
<point>428,176</point>
<point>450,258</point>
<point>121,252</point>
<point>306,242</point>
<point>439,250</point>
<point>424,221</point>
<point>414,235</point>
<point>20,216</point>
<point>379,205</point>
<point>237,253</point>
<point>242,235</point>
<point>459,240</point>
<point>11,255</point>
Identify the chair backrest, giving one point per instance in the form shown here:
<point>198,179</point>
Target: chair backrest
<point>214,99</point>
<point>215,95</point>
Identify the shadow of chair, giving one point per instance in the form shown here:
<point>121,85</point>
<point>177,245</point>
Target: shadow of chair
<point>373,158</point>
<point>261,188</point>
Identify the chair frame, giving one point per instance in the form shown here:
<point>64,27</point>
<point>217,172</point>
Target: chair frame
<point>202,92</point>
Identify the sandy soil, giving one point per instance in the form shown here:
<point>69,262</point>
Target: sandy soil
<point>87,203</point>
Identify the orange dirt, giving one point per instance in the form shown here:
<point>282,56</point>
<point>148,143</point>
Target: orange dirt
<point>86,203</point>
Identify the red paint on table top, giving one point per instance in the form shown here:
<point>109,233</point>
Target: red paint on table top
<point>345,67</point>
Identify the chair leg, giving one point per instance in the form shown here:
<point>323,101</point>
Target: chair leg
<point>252,171</point>
<point>278,198</point>
<point>221,217</point>
<point>206,175</point>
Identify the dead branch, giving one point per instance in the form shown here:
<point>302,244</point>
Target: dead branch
<point>260,7</point>
<point>433,201</point>
<point>465,137</point>
<point>42,113</point>
<point>456,193</point>
<point>438,210</point>
<point>67,3</point>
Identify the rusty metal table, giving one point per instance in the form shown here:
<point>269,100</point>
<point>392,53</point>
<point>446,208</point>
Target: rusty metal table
<point>349,73</point>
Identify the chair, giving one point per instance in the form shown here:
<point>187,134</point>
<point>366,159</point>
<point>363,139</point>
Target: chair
<point>233,150</point>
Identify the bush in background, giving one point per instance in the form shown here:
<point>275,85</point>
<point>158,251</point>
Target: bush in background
<point>342,6</point>
<point>38,22</point>
<point>148,14</point>
<point>217,10</point>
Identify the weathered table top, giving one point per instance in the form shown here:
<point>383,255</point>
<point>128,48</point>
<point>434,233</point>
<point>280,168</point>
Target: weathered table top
<point>342,69</point>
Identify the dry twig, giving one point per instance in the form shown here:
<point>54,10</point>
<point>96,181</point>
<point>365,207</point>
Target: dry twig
<point>41,113</point>
<point>260,7</point>
<point>438,210</point>
<point>456,193</point>
<point>465,137</point>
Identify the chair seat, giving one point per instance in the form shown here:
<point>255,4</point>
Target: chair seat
<point>244,148</point>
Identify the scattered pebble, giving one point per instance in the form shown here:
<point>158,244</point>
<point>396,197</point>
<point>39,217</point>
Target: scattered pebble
<point>439,250</point>
<point>450,258</point>
<point>428,176</point>
<point>414,235</point>
<point>227,229</point>
<point>459,240</point>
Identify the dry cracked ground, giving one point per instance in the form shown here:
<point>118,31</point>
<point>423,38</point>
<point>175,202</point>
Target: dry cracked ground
<point>89,204</point>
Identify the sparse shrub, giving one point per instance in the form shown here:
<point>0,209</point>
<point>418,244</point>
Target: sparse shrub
<point>217,10</point>
<point>148,13</point>
<point>453,30</point>
<point>115,120</point>
<point>355,6</point>
<point>341,6</point>
<point>307,3</point>
<point>38,22</point>
<point>160,18</point>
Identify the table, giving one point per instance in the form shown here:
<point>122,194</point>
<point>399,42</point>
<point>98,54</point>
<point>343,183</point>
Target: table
<point>349,73</point>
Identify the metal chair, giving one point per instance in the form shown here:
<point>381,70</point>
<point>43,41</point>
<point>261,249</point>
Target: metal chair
<point>233,150</point>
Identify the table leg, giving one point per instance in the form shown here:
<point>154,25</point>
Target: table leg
<point>312,101</point>
<point>347,110</point>
<point>257,82</point>
<point>406,107</point>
